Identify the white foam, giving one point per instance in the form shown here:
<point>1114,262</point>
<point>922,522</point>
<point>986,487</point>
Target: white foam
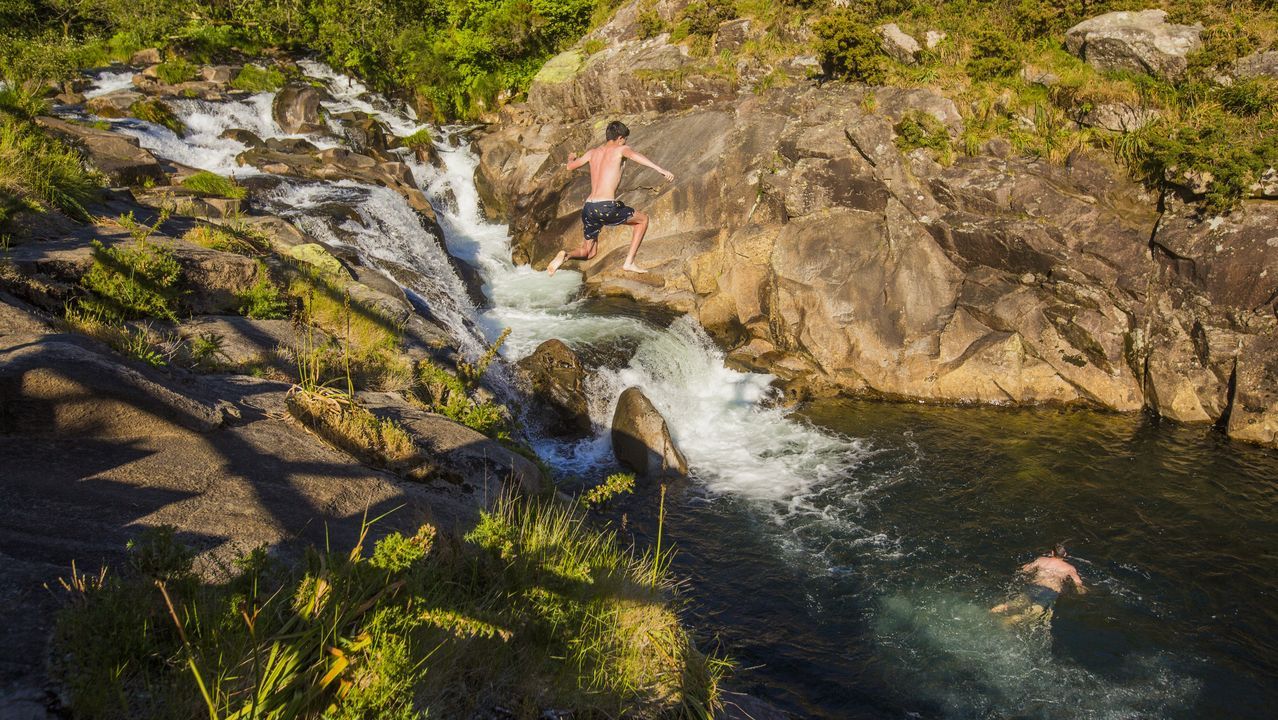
<point>108,81</point>
<point>350,94</point>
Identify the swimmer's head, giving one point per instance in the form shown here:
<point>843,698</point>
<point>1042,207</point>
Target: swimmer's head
<point>1058,550</point>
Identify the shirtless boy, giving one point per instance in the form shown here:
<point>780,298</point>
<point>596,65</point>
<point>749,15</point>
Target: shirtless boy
<point>602,207</point>
<point>1047,577</point>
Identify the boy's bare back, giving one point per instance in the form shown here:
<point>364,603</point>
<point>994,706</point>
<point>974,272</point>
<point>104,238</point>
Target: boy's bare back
<point>605,170</point>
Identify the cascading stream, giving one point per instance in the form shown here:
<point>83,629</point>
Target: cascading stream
<point>860,570</point>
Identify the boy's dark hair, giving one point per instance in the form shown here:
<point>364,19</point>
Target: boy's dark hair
<point>616,129</point>
<point>1059,550</point>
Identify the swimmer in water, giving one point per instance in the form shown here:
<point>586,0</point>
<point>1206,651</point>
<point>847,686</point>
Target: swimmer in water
<point>1047,577</point>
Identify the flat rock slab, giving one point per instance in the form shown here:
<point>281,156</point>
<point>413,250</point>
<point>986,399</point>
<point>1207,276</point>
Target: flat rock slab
<point>94,452</point>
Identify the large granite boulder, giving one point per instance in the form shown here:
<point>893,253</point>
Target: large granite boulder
<point>1137,41</point>
<point>558,380</point>
<point>296,107</point>
<point>641,440</point>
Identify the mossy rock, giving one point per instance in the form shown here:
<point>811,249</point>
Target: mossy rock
<point>561,68</point>
<point>315,255</point>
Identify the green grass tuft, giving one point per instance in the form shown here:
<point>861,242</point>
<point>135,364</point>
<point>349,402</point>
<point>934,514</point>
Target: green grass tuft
<point>38,172</point>
<point>420,138</point>
<point>532,609</point>
<point>159,113</point>
<point>213,185</point>
<point>256,79</point>
<point>176,71</point>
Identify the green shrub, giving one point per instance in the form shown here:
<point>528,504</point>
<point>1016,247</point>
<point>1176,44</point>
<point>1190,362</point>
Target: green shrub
<point>650,24</point>
<point>134,280</point>
<point>158,113</point>
<point>993,56</point>
<point>176,71</point>
<point>1232,151</point>
<point>703,17</point>
<point>1250,97</point>
<point>612,486</point>
<point>255,79</point>
<point>849,48</point>
<point>921,130</point>
<point>263,301</point>
<point>211,184</point>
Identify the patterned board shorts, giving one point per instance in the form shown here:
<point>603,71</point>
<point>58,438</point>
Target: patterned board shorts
<point>595,215</point>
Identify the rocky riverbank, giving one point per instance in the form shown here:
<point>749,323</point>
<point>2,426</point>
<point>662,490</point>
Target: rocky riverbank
<point>206,357</point>
<point>813,238</point>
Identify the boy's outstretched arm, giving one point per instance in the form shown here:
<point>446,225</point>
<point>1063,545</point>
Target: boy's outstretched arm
<point>575,162</point>
<point>639,158</point>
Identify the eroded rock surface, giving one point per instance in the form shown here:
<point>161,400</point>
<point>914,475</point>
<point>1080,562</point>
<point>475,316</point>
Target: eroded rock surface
<point>803,238</point>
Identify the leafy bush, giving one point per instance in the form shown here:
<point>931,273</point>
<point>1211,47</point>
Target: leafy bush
<point>1232,151</point>
<point>176,71</point>
<point>993,56</point>
<point>1250,97</point>
<point>612,486</point>
<point>254,78</point>
<point>650,24</point>
<point>134,280</point>
<point>419,138</point>
<point>849,48</point>
<point>211,184</point>
<point>922,130</point>
<point>703,17</point>
<point>263,301</point>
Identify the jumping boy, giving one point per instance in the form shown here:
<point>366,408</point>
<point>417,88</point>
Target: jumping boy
<point>602,207</point>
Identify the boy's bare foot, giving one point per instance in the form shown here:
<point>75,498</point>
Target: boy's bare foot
<point>631,267</point>
<point>554,264</point>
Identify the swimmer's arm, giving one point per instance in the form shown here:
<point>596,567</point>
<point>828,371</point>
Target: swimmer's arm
<point>642,160</point>
<point>1078,582</point>
<point>575,162</point>
<point>1028,567</point>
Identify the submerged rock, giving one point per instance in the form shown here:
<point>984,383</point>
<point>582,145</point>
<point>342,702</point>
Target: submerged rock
<point>558,382</point>
<point>641,440</point>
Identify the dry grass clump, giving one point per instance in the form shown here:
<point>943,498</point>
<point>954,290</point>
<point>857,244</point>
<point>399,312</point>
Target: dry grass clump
<point>342,421</point>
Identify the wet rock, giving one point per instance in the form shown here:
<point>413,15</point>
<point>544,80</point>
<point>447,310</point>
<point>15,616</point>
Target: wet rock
<point>1259,64</point>
<point>558,382</point>
<point>898,44</point>
<point>364,133</point>
<point>243,137</point>
<point>296,107</point>
<point>220,74</point>
<point>641,440</point>
<point>1140,41</point>
<point>115,104</point>
<point>116,156</point>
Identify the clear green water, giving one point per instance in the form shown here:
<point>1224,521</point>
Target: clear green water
<point>870,597</point>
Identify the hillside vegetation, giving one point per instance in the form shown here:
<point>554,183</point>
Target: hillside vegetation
<point>456,56</point>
